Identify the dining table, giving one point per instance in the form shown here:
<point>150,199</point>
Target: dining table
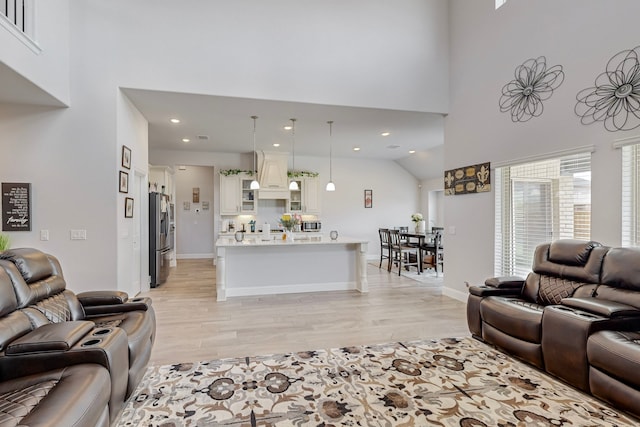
<point>426,243</point>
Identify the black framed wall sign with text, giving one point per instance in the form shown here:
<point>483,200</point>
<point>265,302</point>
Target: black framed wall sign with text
<point>16,206</point>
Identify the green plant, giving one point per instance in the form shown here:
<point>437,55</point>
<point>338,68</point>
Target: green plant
<point>227,172</point>
<point>298,174</point>
<point>4,242</point>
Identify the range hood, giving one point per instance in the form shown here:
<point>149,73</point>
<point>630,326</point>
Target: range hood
<point>272,175</point>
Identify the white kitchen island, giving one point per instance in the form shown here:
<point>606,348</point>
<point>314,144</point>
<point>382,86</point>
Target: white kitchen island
<point>309,263</point>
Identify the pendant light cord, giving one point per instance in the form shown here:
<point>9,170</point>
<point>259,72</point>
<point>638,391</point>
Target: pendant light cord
<point>330,150</point>
<point>254,143</point>
<point>293,134</point>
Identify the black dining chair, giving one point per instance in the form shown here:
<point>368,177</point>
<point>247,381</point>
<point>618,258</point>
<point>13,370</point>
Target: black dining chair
<point>433,252</point>
<point>403,254</point>
<point>385,247</point>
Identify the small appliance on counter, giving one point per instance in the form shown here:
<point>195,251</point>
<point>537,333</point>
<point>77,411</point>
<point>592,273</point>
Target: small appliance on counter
<point>311,226</point>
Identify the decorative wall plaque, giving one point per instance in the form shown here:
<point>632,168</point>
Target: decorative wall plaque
<point>16,206</point>
<point>469,179</point>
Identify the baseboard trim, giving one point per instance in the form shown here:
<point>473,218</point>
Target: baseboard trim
<point>288,289</point>
<point>195,256</point>
<point>455,294</point>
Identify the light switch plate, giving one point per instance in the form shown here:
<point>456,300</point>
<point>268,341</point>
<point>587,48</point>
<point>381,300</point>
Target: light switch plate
<point>44,235</point>
<point>78,234</point>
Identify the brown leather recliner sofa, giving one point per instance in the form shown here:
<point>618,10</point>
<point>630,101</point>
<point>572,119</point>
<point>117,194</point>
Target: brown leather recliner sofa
<point>573,316</point>
<point>84,353</point>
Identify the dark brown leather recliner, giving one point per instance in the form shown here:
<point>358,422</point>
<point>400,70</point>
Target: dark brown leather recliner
<point>507,312</point>
<point>614,355</point>
<point>118,332</point>
<point>47,393</point>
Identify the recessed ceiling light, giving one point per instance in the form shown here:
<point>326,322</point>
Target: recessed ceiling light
<point>356,148</point>
<point>185,140</point>
<point>276,145</point>
<point>385,133</point>
<point>412,151</point>
<point>174,120</point>
<point>288,128</point>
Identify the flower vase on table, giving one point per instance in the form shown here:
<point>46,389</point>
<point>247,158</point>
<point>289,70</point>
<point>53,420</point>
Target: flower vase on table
<point>419,221</point>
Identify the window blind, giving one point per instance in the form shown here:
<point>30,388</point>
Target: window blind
<point>630,195</point>
<point>538,202</point>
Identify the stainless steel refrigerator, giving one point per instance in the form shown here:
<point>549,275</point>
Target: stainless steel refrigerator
<point>159,244</point>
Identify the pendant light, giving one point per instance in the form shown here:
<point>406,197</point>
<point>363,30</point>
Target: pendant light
<point>293,185</point>
<point>255,185</point>
<point>330,185</point>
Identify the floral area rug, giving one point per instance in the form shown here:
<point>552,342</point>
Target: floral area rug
<point>449,382</point>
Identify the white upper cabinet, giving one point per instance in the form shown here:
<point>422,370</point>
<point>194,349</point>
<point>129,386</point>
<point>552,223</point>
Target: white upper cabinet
<point>306,200</point>
<point>229,195</point>
<point>236,196</point>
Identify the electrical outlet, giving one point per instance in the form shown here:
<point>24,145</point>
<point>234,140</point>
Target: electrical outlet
<point>78,234</point>
<point>44,235</point>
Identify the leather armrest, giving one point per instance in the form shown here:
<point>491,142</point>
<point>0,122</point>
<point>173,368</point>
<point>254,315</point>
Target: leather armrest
<point>134,304</point>
<point>52,337</point>
<point>92,298</point>
<point>601,307</point>
<point>505,282</point>
<point>487,291</point>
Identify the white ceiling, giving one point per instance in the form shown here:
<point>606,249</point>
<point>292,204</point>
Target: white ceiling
<point>227,123</point>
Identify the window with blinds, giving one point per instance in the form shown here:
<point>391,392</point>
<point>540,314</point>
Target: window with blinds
<point>539,202</point>
<point>630,195</point>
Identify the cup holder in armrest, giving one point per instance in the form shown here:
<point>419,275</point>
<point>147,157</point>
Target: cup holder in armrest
<point>91,342</point>
<point>102,331</point>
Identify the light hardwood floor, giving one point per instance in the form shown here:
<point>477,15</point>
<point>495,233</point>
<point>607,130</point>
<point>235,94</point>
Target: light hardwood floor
<point>193,326</point>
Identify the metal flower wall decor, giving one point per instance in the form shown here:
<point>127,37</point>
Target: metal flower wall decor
<point>533,83</point>
<point>615,98</point>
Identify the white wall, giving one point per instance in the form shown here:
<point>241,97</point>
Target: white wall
<point>49,70</point>
<point>132,131</point>
<point>395,191</point>
<point>194,227</point>
<point>486,47</point>
<point>320,52</point>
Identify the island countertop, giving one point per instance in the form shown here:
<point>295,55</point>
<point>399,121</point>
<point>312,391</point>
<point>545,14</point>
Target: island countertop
<point>276,240</point>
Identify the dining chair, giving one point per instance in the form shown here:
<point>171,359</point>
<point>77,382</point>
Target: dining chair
<point>401,253</point>
<point>403,229</point>
<point>385,247</point>
<point>439,252</point>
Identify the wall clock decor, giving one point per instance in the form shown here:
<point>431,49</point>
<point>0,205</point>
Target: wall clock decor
<point>615,97</point>
<point>533,83</point>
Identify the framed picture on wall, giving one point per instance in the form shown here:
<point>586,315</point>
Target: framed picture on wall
<point>128,207</point>
<point>124,182</point>
<point>368,198</point>
<point>126,157</point>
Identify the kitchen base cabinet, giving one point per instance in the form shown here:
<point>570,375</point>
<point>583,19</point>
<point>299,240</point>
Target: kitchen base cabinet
<point>254,267</point>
